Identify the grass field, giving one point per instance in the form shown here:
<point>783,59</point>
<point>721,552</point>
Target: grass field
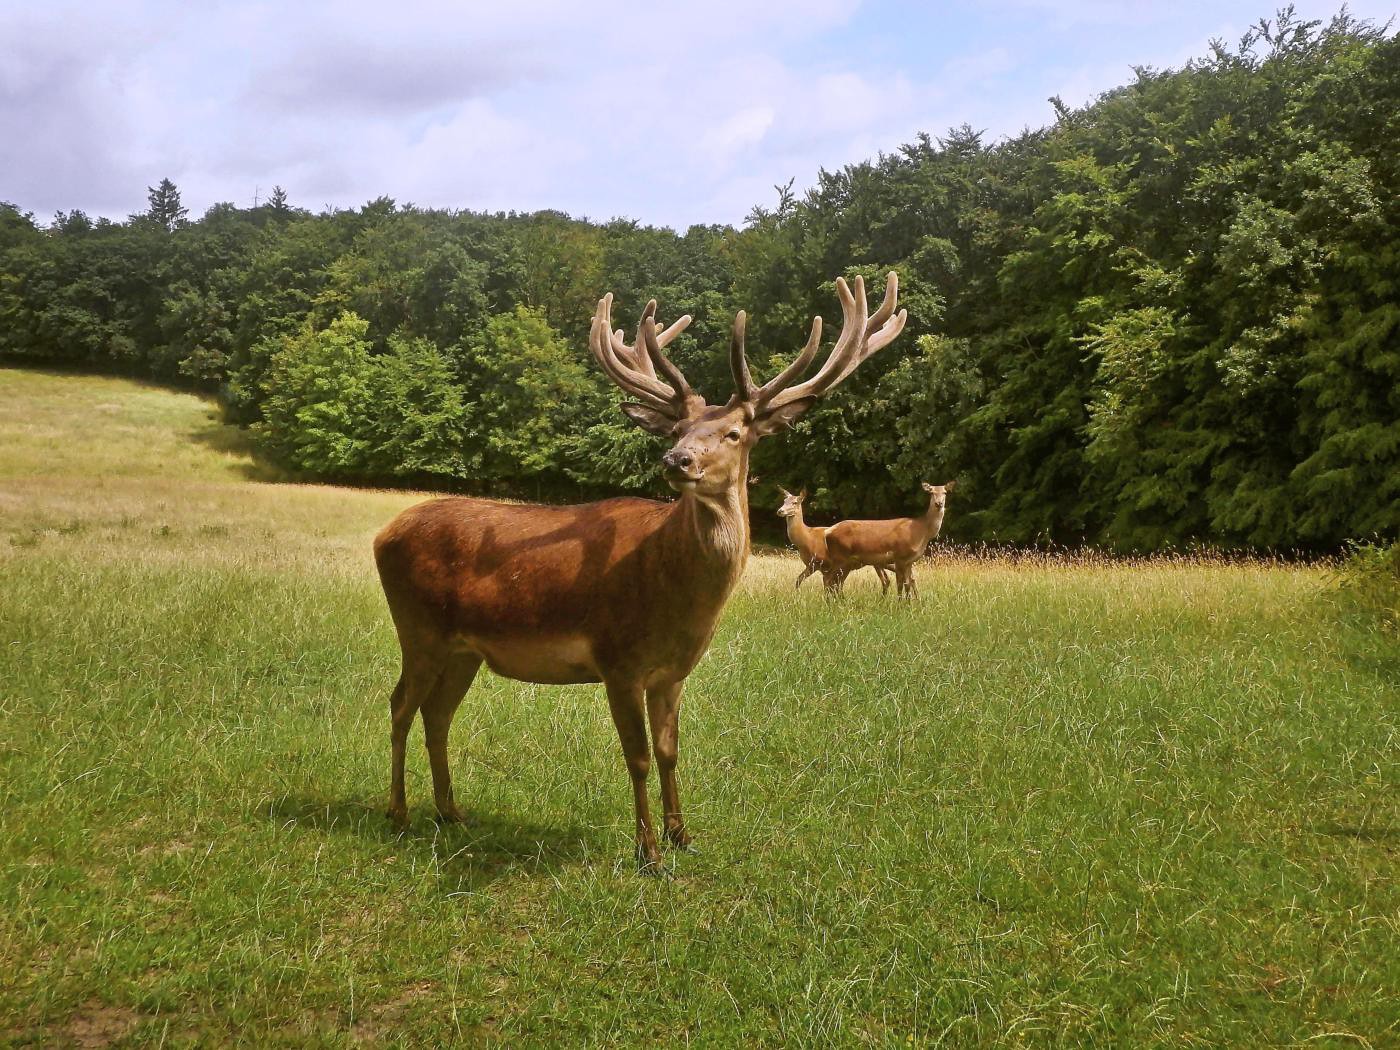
<point>1052,802</point>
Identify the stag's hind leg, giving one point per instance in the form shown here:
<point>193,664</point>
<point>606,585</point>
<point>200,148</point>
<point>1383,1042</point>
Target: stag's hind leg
<point>416,681</point>
<point>663,710</point>
<point>438,708</point>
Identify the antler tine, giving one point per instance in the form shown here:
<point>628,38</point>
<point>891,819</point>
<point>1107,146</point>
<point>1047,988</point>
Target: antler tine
<point>738,363</point>
<point>619,364</point>
<point>799,364</point>
<point>848,345</point>
<point>861,335</point>
<point>886,306</point>
<point>664,336</point>
<point>637,352</point>
<point>881,329</point>
<point>881,338</point>
<point>649,338</point>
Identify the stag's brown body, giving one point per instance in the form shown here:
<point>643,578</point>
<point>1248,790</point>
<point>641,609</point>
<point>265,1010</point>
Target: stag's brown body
<point>624,591</point>
<point>899,542</point>
<point>549,594</point>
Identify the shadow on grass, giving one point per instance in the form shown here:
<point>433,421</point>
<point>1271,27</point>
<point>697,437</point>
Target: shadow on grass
<point>1381,835</point>
<point>230,440</point>
<point>487,847</point>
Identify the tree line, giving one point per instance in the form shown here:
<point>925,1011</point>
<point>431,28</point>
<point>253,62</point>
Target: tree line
<point>1170,317</point>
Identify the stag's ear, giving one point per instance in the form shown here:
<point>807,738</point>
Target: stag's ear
<point>649,419</point>
<point>781,418</point>
<point>949,487</point>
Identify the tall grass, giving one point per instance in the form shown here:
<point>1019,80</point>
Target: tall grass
<point>1053,801</point>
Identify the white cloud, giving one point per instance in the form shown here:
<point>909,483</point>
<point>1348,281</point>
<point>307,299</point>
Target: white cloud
<point>671,113</point>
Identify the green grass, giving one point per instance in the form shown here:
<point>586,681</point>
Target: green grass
<point>1051,802</point>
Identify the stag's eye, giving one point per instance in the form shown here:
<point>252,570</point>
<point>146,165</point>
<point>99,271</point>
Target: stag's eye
<point>733,435</point>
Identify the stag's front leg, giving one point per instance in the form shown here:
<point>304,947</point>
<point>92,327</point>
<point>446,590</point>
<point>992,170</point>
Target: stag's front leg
<point>664,709</point>
<point>629,715</point>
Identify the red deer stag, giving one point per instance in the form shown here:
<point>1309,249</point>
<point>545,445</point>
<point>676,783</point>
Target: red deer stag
<point>898,541</point>
<point>625,592</point>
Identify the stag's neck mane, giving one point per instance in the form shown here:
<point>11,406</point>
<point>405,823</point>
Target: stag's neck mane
<point>718,525</point>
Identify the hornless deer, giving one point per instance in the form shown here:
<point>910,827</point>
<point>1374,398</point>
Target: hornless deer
<point>811,542</point>
<point>901,541</point>
<point>626,592</point>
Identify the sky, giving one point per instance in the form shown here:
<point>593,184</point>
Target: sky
<point>669,113</point>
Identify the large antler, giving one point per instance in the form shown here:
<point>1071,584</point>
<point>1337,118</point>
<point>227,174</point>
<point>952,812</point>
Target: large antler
<point>634,368</point>
<point>861,335</point>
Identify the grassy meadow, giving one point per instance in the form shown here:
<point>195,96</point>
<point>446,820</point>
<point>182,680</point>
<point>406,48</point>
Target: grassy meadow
<point>1053,801</point>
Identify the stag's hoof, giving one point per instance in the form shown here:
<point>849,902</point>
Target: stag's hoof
<point>680,840</point>
<point>649,861</point>
<point>451,814</point>
<point>398,816</point>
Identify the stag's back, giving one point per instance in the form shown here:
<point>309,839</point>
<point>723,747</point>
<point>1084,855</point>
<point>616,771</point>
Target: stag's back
<point>472,565</point>
<point>551,594</point>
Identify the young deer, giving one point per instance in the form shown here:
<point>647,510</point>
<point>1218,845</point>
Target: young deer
<point>810,542</point>
<point>626,592</point>
<point>898,541</point>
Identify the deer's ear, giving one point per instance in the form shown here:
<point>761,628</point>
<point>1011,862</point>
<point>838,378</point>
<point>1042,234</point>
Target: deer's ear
<point>781,418</point>
<point>949,487</point>
<point>649,419</point>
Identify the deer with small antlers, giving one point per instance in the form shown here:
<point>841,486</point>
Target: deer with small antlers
<point>897,542</point>
<point>626,592</point>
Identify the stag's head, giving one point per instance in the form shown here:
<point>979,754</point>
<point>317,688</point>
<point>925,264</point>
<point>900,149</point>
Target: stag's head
<point>710,444</point>
<point>792,504</point>
<point>938,494</point>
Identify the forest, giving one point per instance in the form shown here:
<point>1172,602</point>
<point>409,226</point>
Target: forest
<point>1169,318</point>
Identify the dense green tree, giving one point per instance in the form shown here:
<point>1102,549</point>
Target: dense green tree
<point>527,391</point>
<point>1168,317</point>
<point>166,211</point>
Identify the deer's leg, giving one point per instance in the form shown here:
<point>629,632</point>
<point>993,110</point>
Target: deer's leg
<point>438,708</point>
<point>663,710</point>
<point>881,572</point>
<point>629,715</point>
<point>807,570</point>
<point>416,681</point>
<point>905,571</point>
<point>832,579</point>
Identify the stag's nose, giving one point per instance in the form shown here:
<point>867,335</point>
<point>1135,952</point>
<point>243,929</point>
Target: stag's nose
<point>678,459</point>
